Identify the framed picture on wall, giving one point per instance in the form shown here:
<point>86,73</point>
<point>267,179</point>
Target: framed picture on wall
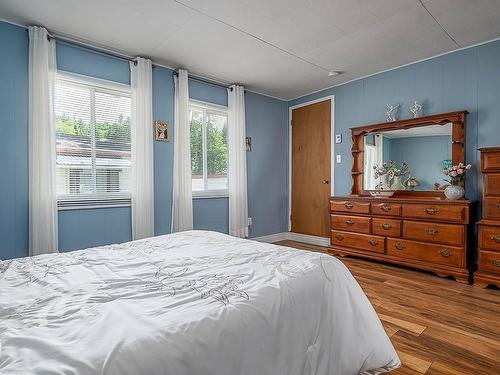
<point>162,131</point>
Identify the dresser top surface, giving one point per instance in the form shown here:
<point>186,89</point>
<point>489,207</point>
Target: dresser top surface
<point>423,200</point>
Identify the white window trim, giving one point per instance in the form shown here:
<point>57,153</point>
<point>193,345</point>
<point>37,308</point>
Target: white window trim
<point>89,201</point>
<point>204,194</point>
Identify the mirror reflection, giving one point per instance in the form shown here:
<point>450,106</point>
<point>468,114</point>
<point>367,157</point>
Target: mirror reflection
<point>407,159</point>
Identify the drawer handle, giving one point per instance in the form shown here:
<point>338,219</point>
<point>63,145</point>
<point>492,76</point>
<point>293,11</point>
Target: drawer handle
<point>498,206</point>
<point>373,242</point>
<point>431,210</point>
<point>445,253</point>
<point>385,208</point>
<point>399,246</point>
<point>339,237</point>
<point>496,238</point>
<point>349,222</point>
<point>495,262</point>
<point>348,205</point>
<point>431,231</point>
<point>386,226</point>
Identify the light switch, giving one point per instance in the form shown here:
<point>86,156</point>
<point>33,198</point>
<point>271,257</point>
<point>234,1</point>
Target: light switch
<point>338,138</point>
<point>339,159</point>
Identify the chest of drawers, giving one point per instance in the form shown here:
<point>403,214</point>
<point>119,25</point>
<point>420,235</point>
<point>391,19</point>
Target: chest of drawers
<point>489,227</point>
<point>427,233</point>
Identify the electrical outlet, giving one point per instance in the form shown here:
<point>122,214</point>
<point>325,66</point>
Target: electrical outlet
<point>250,221</point>
<point>338,138</point>
<point>339,159</point>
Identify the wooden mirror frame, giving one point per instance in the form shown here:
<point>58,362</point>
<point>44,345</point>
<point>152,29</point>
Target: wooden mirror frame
<point>457,119</point>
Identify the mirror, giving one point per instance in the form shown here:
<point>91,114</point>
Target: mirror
<point>407,159</point>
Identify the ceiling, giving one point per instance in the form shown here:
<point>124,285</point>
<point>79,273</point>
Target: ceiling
<point>282,48</point>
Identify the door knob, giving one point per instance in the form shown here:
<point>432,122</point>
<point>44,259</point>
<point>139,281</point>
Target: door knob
<point>326,182</point>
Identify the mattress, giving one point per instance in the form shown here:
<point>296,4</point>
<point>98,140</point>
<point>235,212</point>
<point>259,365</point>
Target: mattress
<point>188,303</point>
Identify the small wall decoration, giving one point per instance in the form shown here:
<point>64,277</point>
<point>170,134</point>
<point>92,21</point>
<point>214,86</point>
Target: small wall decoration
<point>392,111</point>
<point>248,143</point>
<point>162,131</point>
<point>416,109</point>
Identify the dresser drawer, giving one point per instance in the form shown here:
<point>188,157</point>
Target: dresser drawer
<point>434,212</point>
<point>386,209</point>
<point>350,206</point>
<point>491,208</point>
<point>492,184</point>
<point>358,241</point>
<point>441,254</point>
<point>449,234</point>
<point>490,161</point>
<point>386,227</point>
<point>351,223</point>
<point>489,261</point>
<point>489,238</point>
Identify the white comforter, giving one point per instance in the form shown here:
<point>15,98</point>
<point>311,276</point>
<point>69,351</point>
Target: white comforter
<point>192,303</point>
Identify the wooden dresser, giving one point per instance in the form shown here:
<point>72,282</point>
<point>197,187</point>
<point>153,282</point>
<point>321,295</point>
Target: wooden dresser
<point>427,233</point>
<point>489,227</point>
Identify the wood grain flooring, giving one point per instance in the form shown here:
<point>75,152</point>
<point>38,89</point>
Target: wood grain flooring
<point>437,326</point>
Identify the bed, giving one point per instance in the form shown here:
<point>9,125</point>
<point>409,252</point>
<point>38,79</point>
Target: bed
<point>188,303</point>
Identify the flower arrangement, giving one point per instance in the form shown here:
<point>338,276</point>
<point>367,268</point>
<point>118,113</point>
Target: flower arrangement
<point>381,170</point>
<point>391,169</point>
<point>402,171</point>
<point>456,173</point>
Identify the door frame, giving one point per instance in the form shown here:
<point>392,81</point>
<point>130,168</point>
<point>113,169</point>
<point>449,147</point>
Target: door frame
<point>332,147</point>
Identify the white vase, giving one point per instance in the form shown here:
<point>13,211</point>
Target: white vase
<point>384,182</point>
<point>396,184</point>
<point>454,192</point>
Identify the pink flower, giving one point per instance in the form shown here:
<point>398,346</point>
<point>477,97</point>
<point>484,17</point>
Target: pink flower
<point>460,171</point>
<point>446,172</point>
<point>453,174</point>
<point>468,166</point>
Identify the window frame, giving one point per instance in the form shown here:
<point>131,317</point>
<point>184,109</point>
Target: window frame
<point>94,200</point>
<point>217,109</point>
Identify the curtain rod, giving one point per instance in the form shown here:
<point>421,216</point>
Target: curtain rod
<point>101,51</point>
<point>209,82</point>
<point>105,52</point>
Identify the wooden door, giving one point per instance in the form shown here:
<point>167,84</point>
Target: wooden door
<point>311,158</point>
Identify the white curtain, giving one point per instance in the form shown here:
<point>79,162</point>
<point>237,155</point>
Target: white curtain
<point>237,171</point>
<point>182,205</point>
<point>142,149</point>
<point>42,143</point>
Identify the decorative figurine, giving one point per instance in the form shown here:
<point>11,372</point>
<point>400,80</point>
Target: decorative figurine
<point>391,112</point>
<point>416,109</point>
<point>411,183</point>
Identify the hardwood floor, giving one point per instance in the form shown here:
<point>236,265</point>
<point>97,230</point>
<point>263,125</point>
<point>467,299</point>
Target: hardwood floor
<point>437,326</point>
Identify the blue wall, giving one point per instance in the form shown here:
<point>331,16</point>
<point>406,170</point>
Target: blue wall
<point>467,79</point>
<point>13,141</point>
<point>267,164</point>
<point>426,167</point>
<point>266,124</point>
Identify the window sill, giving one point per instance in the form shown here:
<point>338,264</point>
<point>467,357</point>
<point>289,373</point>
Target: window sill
<point>210,194</point>
<point>87,204</point>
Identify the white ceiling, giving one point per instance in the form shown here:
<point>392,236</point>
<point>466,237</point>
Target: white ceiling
<point>282,48</point>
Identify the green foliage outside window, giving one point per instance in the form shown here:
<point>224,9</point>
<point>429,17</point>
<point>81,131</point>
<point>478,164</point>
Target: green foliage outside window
<point>118,131</point>
<point>216,148</point>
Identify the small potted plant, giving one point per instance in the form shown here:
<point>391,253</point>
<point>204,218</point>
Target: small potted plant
<point>384,173</point>
<point>456,174</point>
<point>398,173</point>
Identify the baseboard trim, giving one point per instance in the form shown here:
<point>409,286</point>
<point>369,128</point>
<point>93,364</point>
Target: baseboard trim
<point>270,238</point>
<point>306,238</point>
<point>299,237</point>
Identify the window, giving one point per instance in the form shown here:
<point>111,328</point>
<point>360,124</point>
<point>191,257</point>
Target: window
<point>93,142</point>
<point>373,156</point>
<point>208,149</point>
